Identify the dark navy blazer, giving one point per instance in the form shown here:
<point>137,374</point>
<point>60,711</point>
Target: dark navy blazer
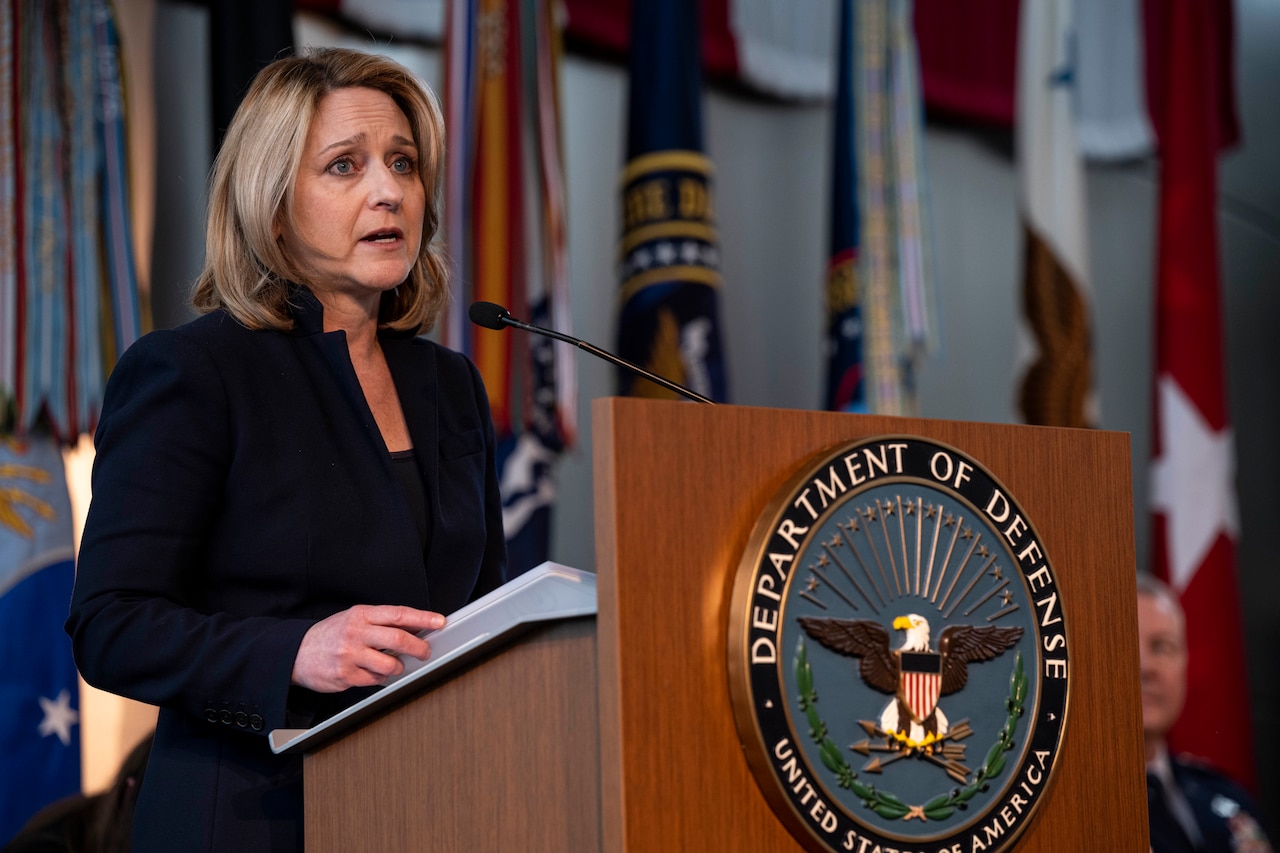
<point>1226,814</point>
<point>242,492</point>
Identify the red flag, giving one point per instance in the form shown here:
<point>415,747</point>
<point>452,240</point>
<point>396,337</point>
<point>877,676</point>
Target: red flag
<point>1193,489</point>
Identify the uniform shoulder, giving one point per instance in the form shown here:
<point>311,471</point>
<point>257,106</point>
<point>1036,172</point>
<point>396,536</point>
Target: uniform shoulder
<point>1194,765</point>
<point>1226,812</point>
<point>1201,780</point>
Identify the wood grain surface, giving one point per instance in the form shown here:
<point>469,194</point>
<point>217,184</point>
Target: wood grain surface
<point>500,757</point>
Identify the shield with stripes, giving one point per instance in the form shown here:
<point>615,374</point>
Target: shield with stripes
<point>920,682</point>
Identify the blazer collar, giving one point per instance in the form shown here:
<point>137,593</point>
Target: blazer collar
<point>308,315</point>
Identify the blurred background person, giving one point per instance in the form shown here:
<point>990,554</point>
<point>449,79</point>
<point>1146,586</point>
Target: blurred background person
<point>1192,806</point>
<point>92,823</point>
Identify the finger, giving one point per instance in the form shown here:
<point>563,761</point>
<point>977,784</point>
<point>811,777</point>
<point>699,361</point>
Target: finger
<point>409,618</point>
<point>395,642</point>
<point>379,666</point>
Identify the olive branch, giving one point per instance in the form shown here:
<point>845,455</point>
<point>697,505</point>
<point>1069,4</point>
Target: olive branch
<point>885,803</point>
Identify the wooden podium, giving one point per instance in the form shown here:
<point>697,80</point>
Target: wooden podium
<point>618,734</point>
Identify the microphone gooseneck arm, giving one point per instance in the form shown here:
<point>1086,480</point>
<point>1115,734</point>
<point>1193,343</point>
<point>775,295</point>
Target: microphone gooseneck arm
<point>494,316</point>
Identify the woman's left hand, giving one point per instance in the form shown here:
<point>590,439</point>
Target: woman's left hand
<point>361,646</point>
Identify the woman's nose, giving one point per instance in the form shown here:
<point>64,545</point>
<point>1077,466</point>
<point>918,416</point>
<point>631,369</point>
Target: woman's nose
<point>386,191</point>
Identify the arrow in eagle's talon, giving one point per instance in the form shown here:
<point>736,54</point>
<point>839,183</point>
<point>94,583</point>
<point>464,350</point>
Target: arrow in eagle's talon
<point>872,729</point>
<point>865,747</point>
<point>958,731</point>
<point>892,742</point>
<point>954,769</point>
<point>876,765</point>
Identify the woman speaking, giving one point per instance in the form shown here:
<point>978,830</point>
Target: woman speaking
<point>291,488</point>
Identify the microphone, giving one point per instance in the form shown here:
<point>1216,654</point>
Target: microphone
<point>494,316</point>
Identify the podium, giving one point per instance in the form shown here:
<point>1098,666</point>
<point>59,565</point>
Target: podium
<point>617,733</point>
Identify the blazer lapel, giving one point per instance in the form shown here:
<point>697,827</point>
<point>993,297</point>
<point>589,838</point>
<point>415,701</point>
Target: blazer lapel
<point>413,369</point>
<point>396,534</point>
<point>308,317</point>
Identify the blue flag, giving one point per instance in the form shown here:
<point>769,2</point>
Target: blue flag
<point>669,264</point>
<point>527,460</point>
<point>39,689</point>
<point>845,385</point>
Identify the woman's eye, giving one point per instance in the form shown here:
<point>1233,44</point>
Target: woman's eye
<point>403,165</point>
<point>341,167</point>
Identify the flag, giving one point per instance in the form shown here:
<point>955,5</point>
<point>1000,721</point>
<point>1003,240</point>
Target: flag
<point>1056,388</point>
<point>880,292</point>
<point>1192,476</point>
<point>1219,61</point>
<point>504,225</point>
<point>10,164</point>
<point>845,388</point>
<point>68,290</point>
<point>781,47</point>
<point>968,57</point>
<point>1112,123</point>
<point>669,256</point>
<point>39,688</point>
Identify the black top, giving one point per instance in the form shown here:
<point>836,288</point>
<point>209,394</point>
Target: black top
<point>406,468</point>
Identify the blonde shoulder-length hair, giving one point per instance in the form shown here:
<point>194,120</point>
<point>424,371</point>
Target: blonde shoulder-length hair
<point>245,271</point>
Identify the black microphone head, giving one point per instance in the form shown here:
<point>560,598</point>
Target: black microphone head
<point>488,314</point>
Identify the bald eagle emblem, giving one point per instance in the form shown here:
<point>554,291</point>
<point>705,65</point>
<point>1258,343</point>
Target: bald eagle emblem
<point>913,674</point>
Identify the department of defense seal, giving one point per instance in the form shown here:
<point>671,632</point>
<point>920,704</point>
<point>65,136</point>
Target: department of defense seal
<point>898,653</point>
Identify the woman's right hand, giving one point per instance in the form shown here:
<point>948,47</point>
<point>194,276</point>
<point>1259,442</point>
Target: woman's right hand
<point>361,646</point>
